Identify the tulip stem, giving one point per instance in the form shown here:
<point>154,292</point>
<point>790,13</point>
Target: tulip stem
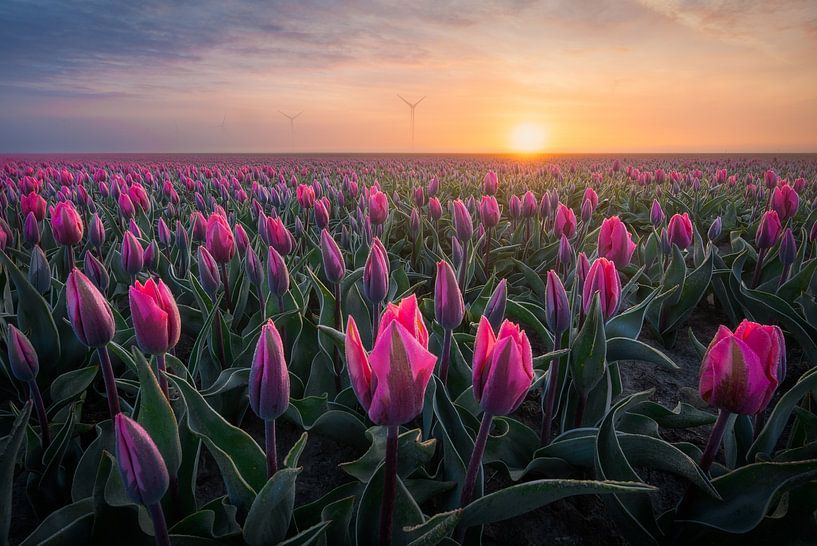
<point>581,404</point>
<point>446,355</point>
<point>550,394</point>
<point>271,448</point>
<point>476,459</point>
<point>714,443</point>
<point>488,252</point>
<point>110,380</point>
<point>159,524</point>
<point>759,267</point>
<point>339,328</point>
<point>389,486</point>
<point>161,368</point>
<point>42,416</point>
<point>375,318</point>
<point>69,255</point>
<point>225,282</point>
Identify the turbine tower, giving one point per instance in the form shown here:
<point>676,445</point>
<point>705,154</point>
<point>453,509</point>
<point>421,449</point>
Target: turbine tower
<point>412,107</point>
<point>291,121</point>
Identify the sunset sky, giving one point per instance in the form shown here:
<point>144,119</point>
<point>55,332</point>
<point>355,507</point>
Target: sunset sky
<point>555,76</point>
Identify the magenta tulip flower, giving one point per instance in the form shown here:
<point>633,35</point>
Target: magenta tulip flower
<point>219,239</point>
<point>615,242</point>
<point>565,222</point>
<point>603,278</point>
<point>680,230</point>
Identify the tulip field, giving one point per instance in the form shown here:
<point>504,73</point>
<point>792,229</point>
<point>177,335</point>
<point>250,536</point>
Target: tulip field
<point>248,349</point>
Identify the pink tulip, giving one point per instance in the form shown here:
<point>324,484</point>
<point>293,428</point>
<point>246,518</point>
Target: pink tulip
<point>378,207</point>
<point>66,224</point>
<point>680,230</point>
<point>502,367</point>
<point>565,222</point>
<point>768,231</point>
<point>615,242</point>
<point>489,211</point>
<point>156,319</point>
<point>490,183</point>
<point>602,278</point>
<point>785,202</point>
<point>33,202</point>
<point>279,236</point>
<point>219,239</point>
<point>391,381</point>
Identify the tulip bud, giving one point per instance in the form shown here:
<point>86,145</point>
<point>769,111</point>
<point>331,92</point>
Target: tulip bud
<point>462,222</point>
<point>489,211</point>
<point>156,319</point>
<point>557,308</point>
<point>31,230</point>
<point>490,183</point>
<point>680,230</point>
<point>515,207</point>
<point>448,304</point>
<point>22,356</point>
<point>740,371</point>
<point>565,251</point>
<point>602,278</point>
<point>96,271</point>
<point>242,241</point>
<point>253,268</point>
<point>144,473</point>
<point>587,211</point>
<point>457,252</point>
<point>208,272</point>
<point>666,245</point>
<point>565,222</point>
<point>768,231</point>
<point>378,207</point>
<point>321,215</point>
<point>582,268</point>
<point>502,367</point>
<point>66,225</point>
<point>219,239</point>
<point>615,242</point>
<point>268,386</point>
<point>788,248</point>
<point>435,210</point>
<point>333,265</point>
<point>39,270</point>
<point>414,223</point>
<point>88,311</point>
<point>376,273</point>
<point>715,229</point>
<point>96,231</point>
<point>278,274</point>
<point>163,232</point>
<point>495,308</point>
<point>132,254</point>
<point>656,214</point>
<point>133,227</point>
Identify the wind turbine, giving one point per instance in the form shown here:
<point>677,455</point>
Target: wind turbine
<point>412,107</point>
<point>291,121</point>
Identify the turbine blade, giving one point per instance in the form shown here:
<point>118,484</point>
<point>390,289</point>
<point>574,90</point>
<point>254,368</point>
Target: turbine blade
<point>419,101</point>
<point>404,100</point>
<point>298,114</point>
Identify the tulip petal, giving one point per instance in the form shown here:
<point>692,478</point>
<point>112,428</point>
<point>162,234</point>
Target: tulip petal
<point>357,363</point>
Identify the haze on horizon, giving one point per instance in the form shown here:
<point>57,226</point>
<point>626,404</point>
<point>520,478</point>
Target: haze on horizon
<point>555,76</point>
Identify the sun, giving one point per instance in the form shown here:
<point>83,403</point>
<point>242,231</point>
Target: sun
<point>528,137</point>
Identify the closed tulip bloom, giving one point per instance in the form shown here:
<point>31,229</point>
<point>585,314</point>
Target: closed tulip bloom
<point>565,251</point>
<point>602,278</point>
<point>680,230</point>
<point>715,229</point>
<point>333,265</point>
<point>321,215</point>
<point>96,271</point>
<point>306,196</point>
<point>785,202</point>
<point>22,356</point>
<point>96,231</point>
<point>126,206</point>
<point>502,367</point>
<point>587,211</point>
<point>788,247</point>
<point>133,227</point>
<point>268,386</point>
<point>495,308</point>
<point>219,239</point>
<point>419,196</point>
<point>657,215</point>
<point>768,231</point>
<point>253,268</point>
<point>279,236</point>
<point>88,311</point>
<point>463,224</point>
<point>33,203</point>
<point>448,304</point>
<point>582,268</point>
<point>208,271</point>
<point>132,254</point>
<point>489,211</point>
<point>31,230</point>
<point>592,197</point>
<point>414,222</point>
<point>39,270</point>
<point>457,252</point>
<point>741,370</point>
<point>156,319</point>
<point>163,232</point>
<point>144,473</point>
<point>199,226</point>
<point>565,221</point>
<point>529,205</point>
<point>66,225</point>
<point>557,307</point>
<point>490,183</point>
<point>378,207</point>
<point>278,274</point>
<point>242,241</point>
<point>515,207</point>
<point>390,382</point>
<point>615,242</point>
<point>376,273</point>
<point>435,210</point>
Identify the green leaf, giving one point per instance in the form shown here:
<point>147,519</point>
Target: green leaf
<point>524,497</point>
<point>406,511</point>
<point>622,348</point>
<point>9,447</point>
<point>339,516</point>
<point>156,415</point>
<point>71,384</point>
<point>434,529</point>
<point>589,350</point>
<point>271,512</point>
<point>307,536</point>
<point>294,455</point>
<point>628,323</point>
<point>70,524</point>
<point>413,453</point>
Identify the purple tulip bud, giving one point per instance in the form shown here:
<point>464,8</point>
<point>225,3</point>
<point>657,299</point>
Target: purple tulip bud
<point>321,215</point>
<point>31,230</point>
<point>278,274</point>
<point>788,248</point>
<point>132,254</point>
<point>22,356</point>
<point>151,255</point>
<point>97,272</point>
<point>656,214</point>
<point>133,227</point>
<point>666,244</point>
<point>463,224</point>
<point>557,308</point>
<point>39,270</point>
<point>268,386</point>
<point>495,308</point>
<point>242,241</point>
<point>143,469</point>
<point>333,265</point>
<point>587,211</point>
<point>457,252</point>
<point>182,240</point>
<point>448,305</point>
<point>376,273</point>
<point>253,268</point>
<point>96,231</point>
<point>88,311</point>
<point>715,229</point>
<point>582,268</point>
<point>565,251</point>
<point>163,233</point>
<point>208,271</point>
<point>768,231</point>
<point>414,223</point>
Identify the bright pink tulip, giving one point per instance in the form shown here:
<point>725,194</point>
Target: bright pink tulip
<point>66,224</point>
<point>279,236</point>
<point>615,242</point>
<point>156,319</point>
<point>785,202</point>
<point>502,367</point>
<point>391,381</point>
<point>489,211</point>
<point>592,197</point>
<point>378,207</point>
<point>602,278</point>
<point>490,183</point>
<point>768,231</point>
<point>565,222</point>
<point>33,202</point>
<point>741,370</point>
<point>219,239</point>
<point>680,230</point>
<point>306,196</point>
